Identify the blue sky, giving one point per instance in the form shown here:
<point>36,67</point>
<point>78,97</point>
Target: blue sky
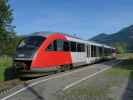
<point>86,18</point>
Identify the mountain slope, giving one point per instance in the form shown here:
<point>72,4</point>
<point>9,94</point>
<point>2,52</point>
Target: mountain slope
<point>124,36</point>
<point>102,36</point>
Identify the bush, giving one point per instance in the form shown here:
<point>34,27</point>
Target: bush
<point>120,47</point>
<point>11,47</point>
<point>5,62</point>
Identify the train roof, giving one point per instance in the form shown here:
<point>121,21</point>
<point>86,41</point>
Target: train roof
<point>100,44</point>
<point>71,37</point>
<point>47,33</point>
<point>44,34</point>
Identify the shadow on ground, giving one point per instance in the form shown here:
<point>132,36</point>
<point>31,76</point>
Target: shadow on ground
<point>34,92</point>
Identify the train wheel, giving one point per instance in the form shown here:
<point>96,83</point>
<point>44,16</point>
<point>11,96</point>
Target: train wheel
<point>71,66</point>
<point>64,68</point>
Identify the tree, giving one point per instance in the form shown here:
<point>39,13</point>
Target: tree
<point>6,29</point>
<point>120,47</point>
<point>10,49</point>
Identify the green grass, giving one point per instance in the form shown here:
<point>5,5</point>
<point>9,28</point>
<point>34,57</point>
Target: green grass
<point>122,70</point>
<point>117,72</point>
<point>125,55</point>
<point>5,62</point>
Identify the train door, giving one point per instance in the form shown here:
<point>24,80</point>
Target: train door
<point>78,53</point>
<point>81,50</point>
<point>88,53</point>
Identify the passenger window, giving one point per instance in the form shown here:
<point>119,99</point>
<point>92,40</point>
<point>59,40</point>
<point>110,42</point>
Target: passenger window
<point>88,51</point>
<point>73,46</point>
<point>80,47</point>
<point>93,51</point>
<point>50,47</point>
<point>59,45</point>
<point>66,46</point>
<point>100,51</point>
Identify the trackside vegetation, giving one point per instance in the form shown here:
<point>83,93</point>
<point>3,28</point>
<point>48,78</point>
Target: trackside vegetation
<point>8,38</point>
<point>5,63</point>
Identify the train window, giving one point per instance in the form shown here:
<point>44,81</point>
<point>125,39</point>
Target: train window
<point>73,46</point>
<point>50,47</point>
<point>80,47</point>
<point>107,52</point>
<point>66,46</point>
<point>110,52</point>
<point>88,50</point>
<point>95,51</point>
<point>59,44</point>
<point>31,42</point>
<point>100,51</point>
<point>62,45</point>
<point>92,51</point>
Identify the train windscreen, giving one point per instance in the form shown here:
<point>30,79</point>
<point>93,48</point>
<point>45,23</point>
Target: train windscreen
<point>31,42</point>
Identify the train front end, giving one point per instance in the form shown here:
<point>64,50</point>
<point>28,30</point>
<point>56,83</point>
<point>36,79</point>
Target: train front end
<point>25,52</point>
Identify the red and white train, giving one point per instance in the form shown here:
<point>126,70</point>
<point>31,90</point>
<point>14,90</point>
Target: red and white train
<point>45,51</point>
